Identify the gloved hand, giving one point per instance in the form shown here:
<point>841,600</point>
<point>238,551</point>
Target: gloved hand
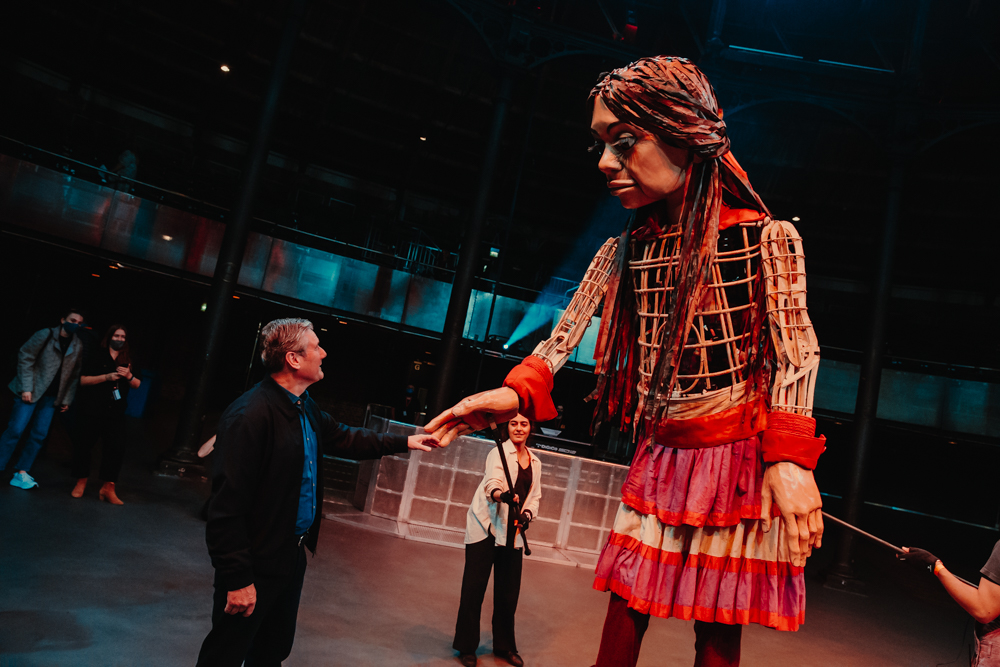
<point>502,497</point>
<point>919,558</point>
<point>524,519</point>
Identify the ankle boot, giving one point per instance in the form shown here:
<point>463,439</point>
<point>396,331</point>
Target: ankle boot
<point>108,493</point>
<point>81,486</point>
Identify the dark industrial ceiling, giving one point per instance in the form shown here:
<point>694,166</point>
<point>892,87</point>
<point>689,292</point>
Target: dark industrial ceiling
<point>820,99</point>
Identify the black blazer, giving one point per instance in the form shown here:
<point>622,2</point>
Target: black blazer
<point>257,477</point>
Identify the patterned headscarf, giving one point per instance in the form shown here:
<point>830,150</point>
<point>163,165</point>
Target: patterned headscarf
<point>671,98</point>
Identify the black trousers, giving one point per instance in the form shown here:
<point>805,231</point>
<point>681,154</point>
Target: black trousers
<point>264,638</point>
<point>88,429</point>
<point>480,558</point>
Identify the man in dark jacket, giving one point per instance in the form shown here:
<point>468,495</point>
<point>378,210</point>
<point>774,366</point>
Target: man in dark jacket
<point>48,372</point>
<point>266,488</point>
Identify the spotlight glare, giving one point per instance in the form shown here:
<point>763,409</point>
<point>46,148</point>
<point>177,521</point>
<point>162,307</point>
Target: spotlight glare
<point>225,68</point>
<point>795,218</point>
<point>168,238</point>
<point>506,346</point>
<point>423,138</point>
<point>204,307</point>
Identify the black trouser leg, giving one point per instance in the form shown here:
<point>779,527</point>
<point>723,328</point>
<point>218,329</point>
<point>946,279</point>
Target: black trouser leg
<point>478,563</point>
<point>622,636</point>
<point>274,638</point>
<point>112,448</point>
<point>85,434</point>
<point>506,589</point>
<point>263,638</point>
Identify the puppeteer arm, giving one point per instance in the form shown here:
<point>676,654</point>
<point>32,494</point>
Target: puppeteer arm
<point>528,386</point>
<point>789,443</point>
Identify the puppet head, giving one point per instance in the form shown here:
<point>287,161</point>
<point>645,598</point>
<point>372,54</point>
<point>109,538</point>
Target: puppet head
<point>669,97</point>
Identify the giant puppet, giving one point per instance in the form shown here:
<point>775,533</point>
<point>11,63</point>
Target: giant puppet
<point>707,353</point>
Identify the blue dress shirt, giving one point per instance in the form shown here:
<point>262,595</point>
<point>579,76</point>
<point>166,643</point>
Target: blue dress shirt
<point>307,493</point>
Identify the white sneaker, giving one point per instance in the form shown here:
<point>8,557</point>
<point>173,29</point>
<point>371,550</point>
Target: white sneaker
<point>23,480</point>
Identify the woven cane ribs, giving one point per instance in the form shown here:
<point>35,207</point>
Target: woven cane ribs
<point>713,369</point>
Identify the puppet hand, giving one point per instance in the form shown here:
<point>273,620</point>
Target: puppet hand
<point>794,491</point>
<point>919,558</point>
<point>474,413</point>
<point>26,396</point>
<point>422,441</point>
<point>523,520</point>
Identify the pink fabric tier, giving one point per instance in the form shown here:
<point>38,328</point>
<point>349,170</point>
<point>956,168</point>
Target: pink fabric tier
<point>687,541</point>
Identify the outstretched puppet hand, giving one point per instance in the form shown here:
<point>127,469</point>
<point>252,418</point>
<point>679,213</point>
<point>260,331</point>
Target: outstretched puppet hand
<point>794,492</point>
<point>474,413</point>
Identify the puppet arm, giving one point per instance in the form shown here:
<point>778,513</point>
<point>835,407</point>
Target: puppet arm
<point>573,324</point>
<point>789,444</point>
<point>527,389</point>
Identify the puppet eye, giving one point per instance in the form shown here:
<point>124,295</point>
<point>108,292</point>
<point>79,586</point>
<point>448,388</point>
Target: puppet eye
<point>623,144</point>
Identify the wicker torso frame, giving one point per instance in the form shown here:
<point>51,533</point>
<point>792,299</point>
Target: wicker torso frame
<point>712,357</point>
<point>712,374</point>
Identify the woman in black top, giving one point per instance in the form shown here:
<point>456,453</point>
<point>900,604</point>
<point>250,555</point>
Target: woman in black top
<point>485,545</point>
<point>100,412</point>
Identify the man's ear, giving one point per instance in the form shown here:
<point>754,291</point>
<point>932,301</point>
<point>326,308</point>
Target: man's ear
<point>292,360</point>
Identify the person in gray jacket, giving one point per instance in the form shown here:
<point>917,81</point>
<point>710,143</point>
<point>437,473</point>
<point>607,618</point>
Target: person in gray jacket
<point>48,372</point>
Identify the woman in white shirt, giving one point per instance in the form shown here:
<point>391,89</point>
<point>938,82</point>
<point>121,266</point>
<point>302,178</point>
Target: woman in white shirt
<point>485,545</point>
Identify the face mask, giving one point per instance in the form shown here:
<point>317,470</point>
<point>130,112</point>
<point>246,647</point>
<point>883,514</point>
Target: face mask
<point>117,344</point>
<point>70,327</point>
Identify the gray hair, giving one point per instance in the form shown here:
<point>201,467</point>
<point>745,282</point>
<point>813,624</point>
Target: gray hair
<point>278,338</point>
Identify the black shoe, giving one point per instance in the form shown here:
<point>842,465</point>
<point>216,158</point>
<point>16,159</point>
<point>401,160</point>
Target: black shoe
<point>510,656</point>
<point>468,659</point>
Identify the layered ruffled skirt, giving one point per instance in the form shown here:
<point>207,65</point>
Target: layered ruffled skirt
<point>688,542</point>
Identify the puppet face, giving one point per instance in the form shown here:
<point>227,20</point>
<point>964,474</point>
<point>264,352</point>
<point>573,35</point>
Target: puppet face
<point>639,166</point>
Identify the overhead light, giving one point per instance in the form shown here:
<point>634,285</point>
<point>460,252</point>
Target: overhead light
<point>112,266</point>
<point>423,138</point>
<point>235,297</point>
<point>795,218</point>
<point>168,238</point>
<point>120,265</point>
<point>225,68</point>
<point>96,275</point>
<point>204,307</point>
<point>506,346</point>
<point>322,329</point>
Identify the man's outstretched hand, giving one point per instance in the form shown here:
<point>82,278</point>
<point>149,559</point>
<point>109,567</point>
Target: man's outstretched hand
<point>793,490</point>
<point>425,442</point>
<point>474,413</point>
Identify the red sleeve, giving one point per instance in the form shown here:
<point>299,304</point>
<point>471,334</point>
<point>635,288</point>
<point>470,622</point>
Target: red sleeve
<point>790,437</point>
<point>532,380</point>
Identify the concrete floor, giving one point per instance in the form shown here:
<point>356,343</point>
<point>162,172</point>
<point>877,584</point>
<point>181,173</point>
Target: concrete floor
<point>84,583</point>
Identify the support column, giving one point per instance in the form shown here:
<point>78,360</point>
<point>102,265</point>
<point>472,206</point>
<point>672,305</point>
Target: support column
<point>227,268</point>
<point>866,408</point>
<point>461,289</point>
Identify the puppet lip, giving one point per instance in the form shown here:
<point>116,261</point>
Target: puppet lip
<point>618,186</point>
